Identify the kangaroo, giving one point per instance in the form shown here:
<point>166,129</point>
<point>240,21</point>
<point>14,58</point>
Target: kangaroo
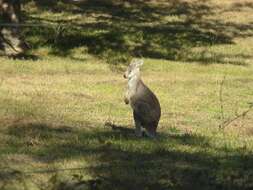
<point>145,105</point>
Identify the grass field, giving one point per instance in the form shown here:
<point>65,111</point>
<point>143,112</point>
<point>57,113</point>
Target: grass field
<point>63,122</point>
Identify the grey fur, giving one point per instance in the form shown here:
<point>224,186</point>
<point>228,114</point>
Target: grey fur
<point>145,105</point>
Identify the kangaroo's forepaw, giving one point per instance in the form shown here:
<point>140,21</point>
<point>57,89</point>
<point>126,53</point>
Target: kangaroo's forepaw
<point>126,101</point>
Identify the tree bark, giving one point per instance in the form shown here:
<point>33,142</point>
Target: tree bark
<point>11,42</point>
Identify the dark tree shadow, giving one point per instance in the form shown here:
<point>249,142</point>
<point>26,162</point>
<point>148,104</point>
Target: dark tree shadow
<point>136,28</point>
<point>125,162</point>
<point>25,56</point>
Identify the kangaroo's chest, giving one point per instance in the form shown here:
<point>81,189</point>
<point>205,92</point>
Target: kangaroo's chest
<point>132,87</point>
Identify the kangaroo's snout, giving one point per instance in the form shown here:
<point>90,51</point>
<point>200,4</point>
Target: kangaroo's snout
<point>125,75</point>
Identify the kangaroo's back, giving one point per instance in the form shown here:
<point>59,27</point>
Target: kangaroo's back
<point>146,105</point>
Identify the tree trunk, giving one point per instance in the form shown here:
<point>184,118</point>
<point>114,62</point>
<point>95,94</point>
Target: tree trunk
<point>10,40</point>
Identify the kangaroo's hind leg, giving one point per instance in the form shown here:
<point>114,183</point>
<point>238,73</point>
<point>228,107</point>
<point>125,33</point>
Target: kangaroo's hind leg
<point>138,126</point>
<point>151,130</point>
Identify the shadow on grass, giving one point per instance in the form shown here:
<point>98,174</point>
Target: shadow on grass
<point>119,160</point>
<point>121,29</point>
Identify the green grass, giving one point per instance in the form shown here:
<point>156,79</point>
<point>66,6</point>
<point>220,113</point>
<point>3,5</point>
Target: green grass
<point>116,30</point>
<point>63,122</point>
<point>53,119</point>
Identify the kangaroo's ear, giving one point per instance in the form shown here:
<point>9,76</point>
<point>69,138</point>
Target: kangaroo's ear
<point>137,62</point>
<point>140,62</point>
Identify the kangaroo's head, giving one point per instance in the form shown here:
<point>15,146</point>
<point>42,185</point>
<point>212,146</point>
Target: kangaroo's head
<point>133,69</point>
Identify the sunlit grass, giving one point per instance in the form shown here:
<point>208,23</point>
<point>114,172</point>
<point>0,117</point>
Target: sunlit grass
<point>54,110</point>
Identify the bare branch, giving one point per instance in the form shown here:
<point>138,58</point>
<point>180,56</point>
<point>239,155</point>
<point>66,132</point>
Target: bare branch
<point>229,121</point>
<point>221,97</point>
